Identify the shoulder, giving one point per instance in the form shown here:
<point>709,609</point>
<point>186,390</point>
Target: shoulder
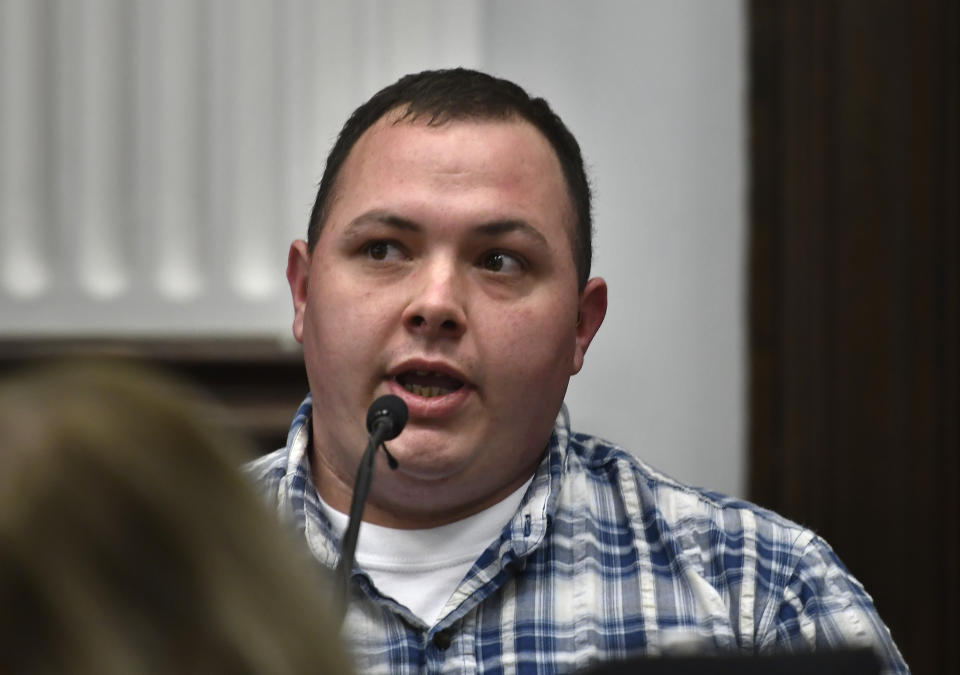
<point>728,562</point>
<point>691,528</point>
<point>665,498</point>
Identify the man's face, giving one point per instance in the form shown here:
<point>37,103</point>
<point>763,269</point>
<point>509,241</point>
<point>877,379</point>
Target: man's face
<point>444,274</point>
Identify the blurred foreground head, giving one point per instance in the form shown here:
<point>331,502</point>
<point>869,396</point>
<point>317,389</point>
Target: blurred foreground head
<point>129,542</point>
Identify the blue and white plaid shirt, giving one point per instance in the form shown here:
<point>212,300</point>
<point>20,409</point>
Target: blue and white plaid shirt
<point>605,558</point>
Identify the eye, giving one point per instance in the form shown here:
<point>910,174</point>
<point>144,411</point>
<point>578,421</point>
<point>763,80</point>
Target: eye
<point>383,250</point>
<point>501,262</point>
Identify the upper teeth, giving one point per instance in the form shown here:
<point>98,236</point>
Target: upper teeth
<point>426,392</point>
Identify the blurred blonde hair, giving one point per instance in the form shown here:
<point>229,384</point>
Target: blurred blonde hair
<point>130,543</point>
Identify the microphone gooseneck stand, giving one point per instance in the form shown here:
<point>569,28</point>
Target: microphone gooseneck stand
<point>386,418</point>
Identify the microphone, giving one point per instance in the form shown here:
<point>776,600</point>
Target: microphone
<point>386,418</point>
<point>387,415</point>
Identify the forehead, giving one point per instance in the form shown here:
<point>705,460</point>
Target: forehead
<point>508,160</point>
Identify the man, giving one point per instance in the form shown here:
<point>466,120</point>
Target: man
<point>447,262</point>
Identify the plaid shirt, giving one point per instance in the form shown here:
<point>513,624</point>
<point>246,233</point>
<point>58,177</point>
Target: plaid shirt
<point>605,558</point>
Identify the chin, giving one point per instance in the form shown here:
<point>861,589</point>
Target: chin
<point>427,470</point>
<point>427,459</point>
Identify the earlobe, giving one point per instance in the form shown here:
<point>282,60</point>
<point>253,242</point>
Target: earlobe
<point>298,275</point>
<point>592,310</point>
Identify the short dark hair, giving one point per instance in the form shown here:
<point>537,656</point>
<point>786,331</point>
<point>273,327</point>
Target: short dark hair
<point>458,94</point>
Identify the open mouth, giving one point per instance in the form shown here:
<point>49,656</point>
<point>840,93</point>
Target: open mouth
<point>428,384</point>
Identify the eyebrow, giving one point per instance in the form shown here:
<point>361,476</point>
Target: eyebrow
<point>500,227</point>
<point>493,228</point>
<point>372,218</point>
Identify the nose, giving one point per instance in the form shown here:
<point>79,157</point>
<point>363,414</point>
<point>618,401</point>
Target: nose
<point>436,307</point>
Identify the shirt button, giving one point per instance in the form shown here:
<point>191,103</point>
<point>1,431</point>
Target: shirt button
<point>442,639</point>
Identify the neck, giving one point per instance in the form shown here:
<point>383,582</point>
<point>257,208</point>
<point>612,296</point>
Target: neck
<point>410,503</point>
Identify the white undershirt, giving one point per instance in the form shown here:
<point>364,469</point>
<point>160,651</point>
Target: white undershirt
<point>422,568</point>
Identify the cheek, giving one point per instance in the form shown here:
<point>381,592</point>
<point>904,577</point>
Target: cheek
<point>534,348</point>
<point>340,324</point>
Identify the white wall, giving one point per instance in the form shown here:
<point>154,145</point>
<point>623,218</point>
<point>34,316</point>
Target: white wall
<point>157,157</point>
<point>656,94</point>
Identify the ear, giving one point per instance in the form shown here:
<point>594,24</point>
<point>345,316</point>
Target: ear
<point>593,307</point>
<point>298,275</point>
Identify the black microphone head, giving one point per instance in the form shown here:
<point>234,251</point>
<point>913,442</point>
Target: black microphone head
<point>390,408</point>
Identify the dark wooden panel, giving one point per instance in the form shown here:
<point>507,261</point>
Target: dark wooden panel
<point>854,296</point>
<point>259,383</point>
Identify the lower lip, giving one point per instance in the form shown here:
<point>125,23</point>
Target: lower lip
<point>433,407</point>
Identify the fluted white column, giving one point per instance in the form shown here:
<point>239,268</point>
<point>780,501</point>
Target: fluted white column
<point>157,157</point>
<point>170,161</point>
<point>251,53</point>
<point>92,108</point>
<point>25,270</point>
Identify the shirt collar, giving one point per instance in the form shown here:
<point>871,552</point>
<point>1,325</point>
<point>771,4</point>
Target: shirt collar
<point>526,532</point>
<point>298,497</point>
